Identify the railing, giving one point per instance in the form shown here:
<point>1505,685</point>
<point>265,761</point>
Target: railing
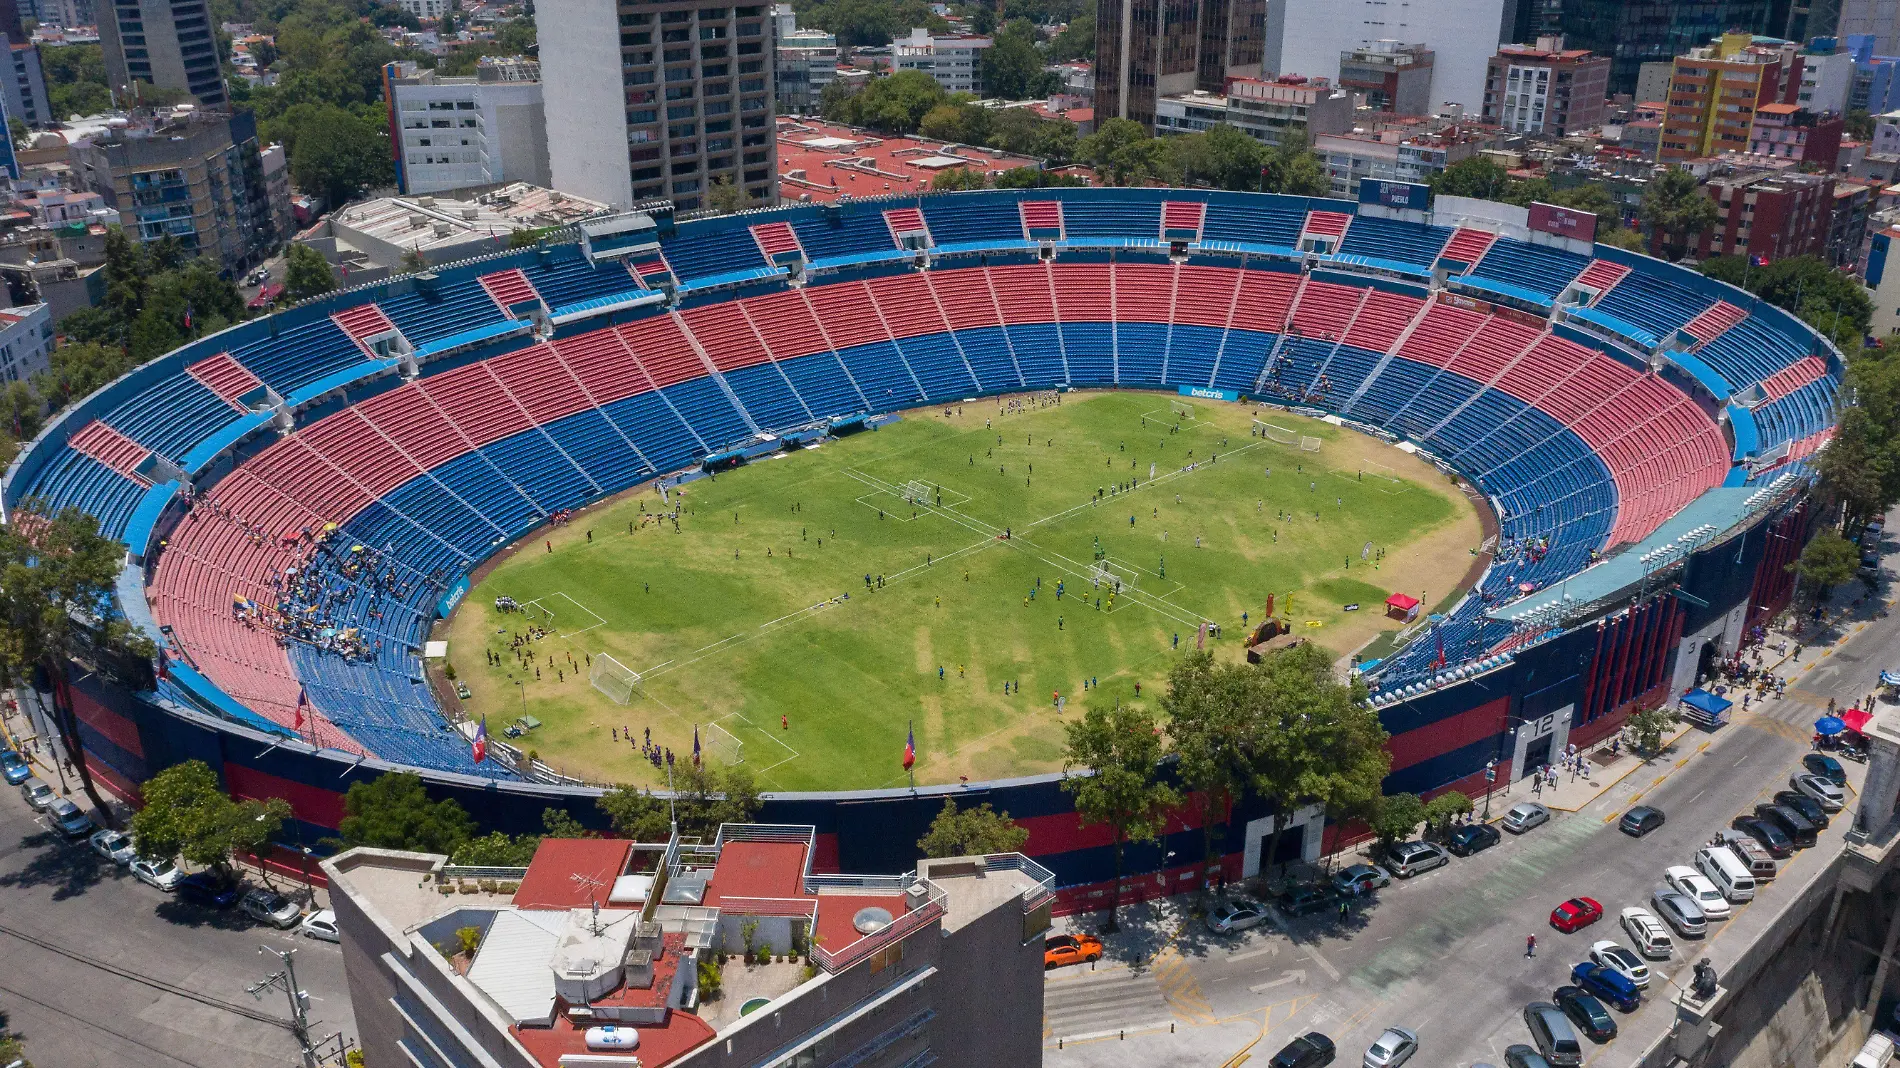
<point>770,906</point>
<point>1044,878</point>
<point>471,871</point>
<point>914,920</point>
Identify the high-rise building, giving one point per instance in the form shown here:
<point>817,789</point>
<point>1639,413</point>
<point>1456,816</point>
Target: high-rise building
<point>459,132</point>
<point>1633,32</point>
<point>1390,76</point>
<point>1776,214</point>
<point>166,44</point>
<point>25,86</point>
<point>1878,19</point>
<point>1718,90</point>
<point>1147,49</point>
<point>950,58</point>
<point>1461,34</point>
<point>197,177</point>
<point>1827,78</point>
<point>807,61</point>
<point>657,99</point>
<point>1546,88</point>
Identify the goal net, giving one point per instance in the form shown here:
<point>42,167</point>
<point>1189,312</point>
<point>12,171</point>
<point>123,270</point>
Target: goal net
<point>721,745</point>
<point>1309,444</point>
<point>1375,469</point>
<point>1104,575</point>
<point>1181,409</point>
<point>1277,433</point>
<point>916,493</point>
<point>613,678</point>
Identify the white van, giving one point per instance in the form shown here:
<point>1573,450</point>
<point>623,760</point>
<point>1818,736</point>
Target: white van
<point>1877,1053</point>
<point>1727,872</point>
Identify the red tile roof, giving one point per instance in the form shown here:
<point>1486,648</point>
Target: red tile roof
<point>572,873</point>
<point>820,161</point>
<point>757,870</point>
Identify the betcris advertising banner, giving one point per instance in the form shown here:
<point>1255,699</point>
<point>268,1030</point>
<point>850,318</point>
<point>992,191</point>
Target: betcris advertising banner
<point>1404,195</point>
<point>1564,222</point>
<point>447,602</point>
<point>1208,393</point>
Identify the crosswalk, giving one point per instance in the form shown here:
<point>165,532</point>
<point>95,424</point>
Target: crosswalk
<point>1181,989</point>
<point>1091,1003</point>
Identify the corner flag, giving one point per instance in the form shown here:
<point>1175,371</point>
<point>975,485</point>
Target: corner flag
<point>695,745</point>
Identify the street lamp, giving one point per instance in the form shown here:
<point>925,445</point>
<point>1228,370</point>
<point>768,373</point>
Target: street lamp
<point>1490,779</point>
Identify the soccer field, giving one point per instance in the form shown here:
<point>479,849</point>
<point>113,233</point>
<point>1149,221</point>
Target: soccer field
<point>756,614</point>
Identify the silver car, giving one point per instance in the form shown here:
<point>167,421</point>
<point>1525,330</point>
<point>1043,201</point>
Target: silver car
<point>1391,1049</point>
<point>1236,915</point>
<point>1830,797</point>
<point>1680,911</point>
<point>1411,858</point>
<point>113,845</point>
<point>162,874</point>
<point>268,906</point>
<point>37,793</point>
<point>1524,815</point>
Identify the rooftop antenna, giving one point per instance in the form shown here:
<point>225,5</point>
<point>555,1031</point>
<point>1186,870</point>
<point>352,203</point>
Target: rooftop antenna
<point>593,884</point>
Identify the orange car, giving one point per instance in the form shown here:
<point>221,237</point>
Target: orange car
<point>1058,950</point>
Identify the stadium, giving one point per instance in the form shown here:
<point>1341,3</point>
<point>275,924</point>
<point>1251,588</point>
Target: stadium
<point>307,496</point>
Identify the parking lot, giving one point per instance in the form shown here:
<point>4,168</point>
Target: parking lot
<point>101,969</point>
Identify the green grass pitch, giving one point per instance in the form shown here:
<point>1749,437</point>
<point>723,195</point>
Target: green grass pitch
<point>756,614</point>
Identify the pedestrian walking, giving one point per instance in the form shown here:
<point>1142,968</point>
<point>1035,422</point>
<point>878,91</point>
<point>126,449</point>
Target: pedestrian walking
<point>1530,945</point>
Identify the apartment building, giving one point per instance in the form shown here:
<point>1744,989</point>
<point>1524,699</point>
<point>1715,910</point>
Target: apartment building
<point>460,132</point>
<point>1716,90</point>
<point>657,100</point>
<point>807,61</point>
<point>953,59</point>
<point>1287,109</point>
<point>26,342</point>
<point>1546,88</point>
<point>1149,49</point>
<point>593,956</point>
<point>1399,152</point>
<point>1776,214</point>
<point>1389,76</point>
<point>168,44</point>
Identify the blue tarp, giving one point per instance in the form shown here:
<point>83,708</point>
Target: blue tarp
<point>1712,707</point>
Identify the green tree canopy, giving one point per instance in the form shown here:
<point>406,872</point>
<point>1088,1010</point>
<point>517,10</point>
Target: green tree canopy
<point>726,198</point>
<point>1395,819</point>
<point>75,80</point>
<point>497,849</point>
<point>896,103</point>
<point>1474,176</point>
<point>1122,788</point>
<point>971,832</point>
<point>1826,562</point>
<point>1861,464</point>
<point>1076,41</point>
<point>1834,304</point>
<point>187,814</point>
<point>956,178</point>
<point>1676,209</point>
<point>393,811</point>
<point>857,23</point>
<point>1034,178</point>
<point>1445,807</point>
<point>635,813</point>
<point>306,274</point>
<point>1012,67</point>
<point>1124,153</point>
<point>338,155</point>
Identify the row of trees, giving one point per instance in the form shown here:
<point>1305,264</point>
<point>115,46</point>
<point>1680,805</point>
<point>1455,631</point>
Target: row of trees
<point>1124,153</point>
<point>1484,179</point>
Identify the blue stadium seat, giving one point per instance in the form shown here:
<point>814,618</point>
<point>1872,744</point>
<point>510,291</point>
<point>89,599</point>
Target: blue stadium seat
<point>172,416</point>
<point>963,220</point>
<point>455,307</point>
<point>1387,239</point>
<point>1546,270</point>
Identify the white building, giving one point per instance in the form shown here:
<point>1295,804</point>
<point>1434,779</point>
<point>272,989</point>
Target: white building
<point>950,58</point>
<point>807,62</point>
<point>470,131</point>
<point>1308,37</point>
<point>423,9</point>
<point>1825,82</point>
<point>26,342</point>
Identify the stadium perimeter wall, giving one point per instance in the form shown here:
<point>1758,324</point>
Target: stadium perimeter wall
<point>1577,687</point>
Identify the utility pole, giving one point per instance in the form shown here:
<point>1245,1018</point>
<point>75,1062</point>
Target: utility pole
<point>286,981</point>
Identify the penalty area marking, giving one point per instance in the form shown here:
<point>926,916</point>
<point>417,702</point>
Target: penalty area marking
<point>555,611</point>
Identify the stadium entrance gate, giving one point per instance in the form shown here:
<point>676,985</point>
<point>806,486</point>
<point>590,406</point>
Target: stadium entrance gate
<point>1300,840</point>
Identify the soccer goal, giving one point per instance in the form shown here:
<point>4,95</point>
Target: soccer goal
<point>1181,409</point>
<point>916,493</point>
<point>722,745</point>
<point>613,678</point>
<point>1309,444</point>
<point>1104,574</point>
<point>1376,469</point>
<point>1277,433</point>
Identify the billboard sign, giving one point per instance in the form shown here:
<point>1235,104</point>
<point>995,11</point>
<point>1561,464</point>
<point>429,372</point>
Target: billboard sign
<point>1404,195</point>
<point>1563,222</point>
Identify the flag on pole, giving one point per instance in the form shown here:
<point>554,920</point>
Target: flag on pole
<point>303,702</point>
<point>1200,637</point>
<point>695,745</point>
<point>1439,638</point>
<point>910,749</point>
<point>481,740</point>
<point>1758,261</point>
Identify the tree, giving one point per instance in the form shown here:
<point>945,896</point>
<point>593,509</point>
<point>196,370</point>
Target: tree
<point>1443,808</point>
<point>707,797</point>
<point>187,814</point>
<point>76,80</point>
<point>1212,727</point>
<point>636,813</point>
<point>971,832</point>
<point>1122,789</point>
<point>13,1050</point>
<point>1826,562</point>
<point>1394,819</point>
<point>725,198</point>
<point>56,569</point>
<point>1076,41</point>
<point>894,104</point>
<point>497,849</point>
<point>957,178</point>
<point>1222,157</point>
<point>1648,725</point>
<point>558,823</point>
<point>1836,305</point>
<point>22,413</point>
<point>1124,153</point>
<point>393,811</point>
<point>1033,178</point>
<point>1012,67</point>
<point>1316,741</point>
<point>337,155</point>
<point>77,369</point>
<point>413,262</point>
<point>1675,209</point>
<point>1859,125</point>
<point>306,273</point>
<point>1474,176</point>
<point>957,122</point>
<point>1296,171</point>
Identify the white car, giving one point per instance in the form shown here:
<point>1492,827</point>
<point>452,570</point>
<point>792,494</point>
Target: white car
<point>162,874</point>
<point>321,925</point>
<point>1236,915</point>
<point>1647,933</point>
<point>1524,815</point>
<point>115,846</point>
<point>269,906</point>
<point>1391,1049</point>
<point>1618,958</point>
<point>1697,887</point>
<point>1830,797</point>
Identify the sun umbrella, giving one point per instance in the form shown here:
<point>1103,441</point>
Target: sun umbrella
<point>1829,725</point>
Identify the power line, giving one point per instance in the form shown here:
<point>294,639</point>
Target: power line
<point>146,980</point>
<point>97,1026</point>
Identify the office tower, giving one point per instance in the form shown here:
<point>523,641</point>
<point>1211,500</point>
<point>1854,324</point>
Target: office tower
<point>166,44</point>
<point>1310,36</point>
<point>1633,32</point>
<point>1147,49</point>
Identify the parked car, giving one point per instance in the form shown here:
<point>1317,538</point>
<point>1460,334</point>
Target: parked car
<point>70,819</point>
<point>207,889</point>
<point>1310,1050</point>
<point>1412,858</point>
<point>1761,863</point>
<point>1586,1013</point>
<point>162,874</point>
<point>1826,767</point>
<point>1391,1049</point>
<point>1791,823</point>
<point>115,846</point>
<point>1680,911</point>
<point>1647,933</point>
<point>1767,835</point>
<point>37,793</point>
<point>1304,899</point>
<point>1058,950</point>
<point>1519,1055</point>
<point>1356,879</point>
<point>1618,958</point>
<point>320,925</point>
<point>1698,888</point>
<point>1606,983</point>
<point>14,767</point>
<point>1640,820</point>
<point>269,906</point>
<point>1830,797</point>
<point>1552,1034</point>
<point>1524,815</point>
<point>1472,838</point>
<point>1576,913</point>
<point>1236,915</point>
<point>1876,1052</point>
<point>1809,808</point>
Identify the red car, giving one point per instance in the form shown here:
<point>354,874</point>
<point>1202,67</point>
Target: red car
<point>1575,913</point>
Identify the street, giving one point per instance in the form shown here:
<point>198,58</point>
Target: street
<point>101,969</point>
<point>1443,954</point>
